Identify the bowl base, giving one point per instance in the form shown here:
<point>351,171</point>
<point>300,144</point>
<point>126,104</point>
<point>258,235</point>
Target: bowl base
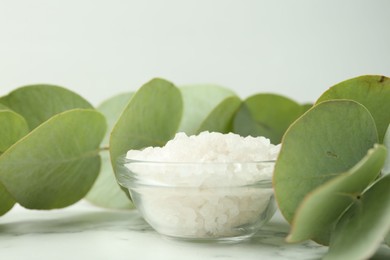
<point>217,240</point>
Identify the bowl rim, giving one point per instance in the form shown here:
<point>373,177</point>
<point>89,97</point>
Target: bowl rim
<point>125,160</point>
<point>129,179</point>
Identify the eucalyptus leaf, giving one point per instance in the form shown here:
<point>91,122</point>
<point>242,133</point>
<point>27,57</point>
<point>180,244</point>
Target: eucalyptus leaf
<point>38,103</point>
<point>112,108</point>
<point>267,115</point>
<point>106,192</point>
<point>372,91</point>
<point>387,239</point>
<point>386,142</point>
<point>321,208</point>
<point>3,107</point>
<point>198,102</point>
<point>306,107</point>
<point>151,118</point>
<point>12,127</point>
<point>6,200</point>
<point>55,164</point>
<point>318,147</point>
<point>364,225</point>
<point>221,117</point>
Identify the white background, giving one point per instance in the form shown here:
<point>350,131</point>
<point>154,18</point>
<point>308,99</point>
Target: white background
<point>101,48</point>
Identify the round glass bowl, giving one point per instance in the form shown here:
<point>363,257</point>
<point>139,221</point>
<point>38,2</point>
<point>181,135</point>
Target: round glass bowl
<point>223,202</point>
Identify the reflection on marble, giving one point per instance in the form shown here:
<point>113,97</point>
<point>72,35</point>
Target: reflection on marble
<point>86,232</point>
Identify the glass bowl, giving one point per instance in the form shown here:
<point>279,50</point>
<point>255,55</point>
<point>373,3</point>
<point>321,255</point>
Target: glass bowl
<point>223,202</point>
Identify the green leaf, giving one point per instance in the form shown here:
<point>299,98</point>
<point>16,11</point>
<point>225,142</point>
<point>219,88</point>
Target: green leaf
<point>12,127</point>
<point>306,107</point>
<point>363,227</point>
<point>371,91</point>
<point>386,142</point>
<point>112,108</point>
<point>56,164</point>
<point>38,103</point>
<point>319,146</point>
<point>221,117</point>
<point>266,115</point>
<point>6,200</point>
<point>198,102</point>
<point>387,239</point>
<point>150,119</point>
<point>321,208</point>
<point>106,192</point>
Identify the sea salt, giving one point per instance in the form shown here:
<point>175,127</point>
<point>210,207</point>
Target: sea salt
<point>204,189</point>
<point>209,147</point>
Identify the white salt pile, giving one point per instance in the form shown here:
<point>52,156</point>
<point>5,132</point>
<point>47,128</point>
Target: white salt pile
<point>210,147</point>
<point>208,188</point>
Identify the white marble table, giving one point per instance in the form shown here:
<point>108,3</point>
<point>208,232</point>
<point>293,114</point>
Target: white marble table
<point>84,232</point>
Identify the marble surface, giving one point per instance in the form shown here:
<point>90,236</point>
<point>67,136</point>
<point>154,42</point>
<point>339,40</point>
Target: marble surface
<point>83,231</point>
